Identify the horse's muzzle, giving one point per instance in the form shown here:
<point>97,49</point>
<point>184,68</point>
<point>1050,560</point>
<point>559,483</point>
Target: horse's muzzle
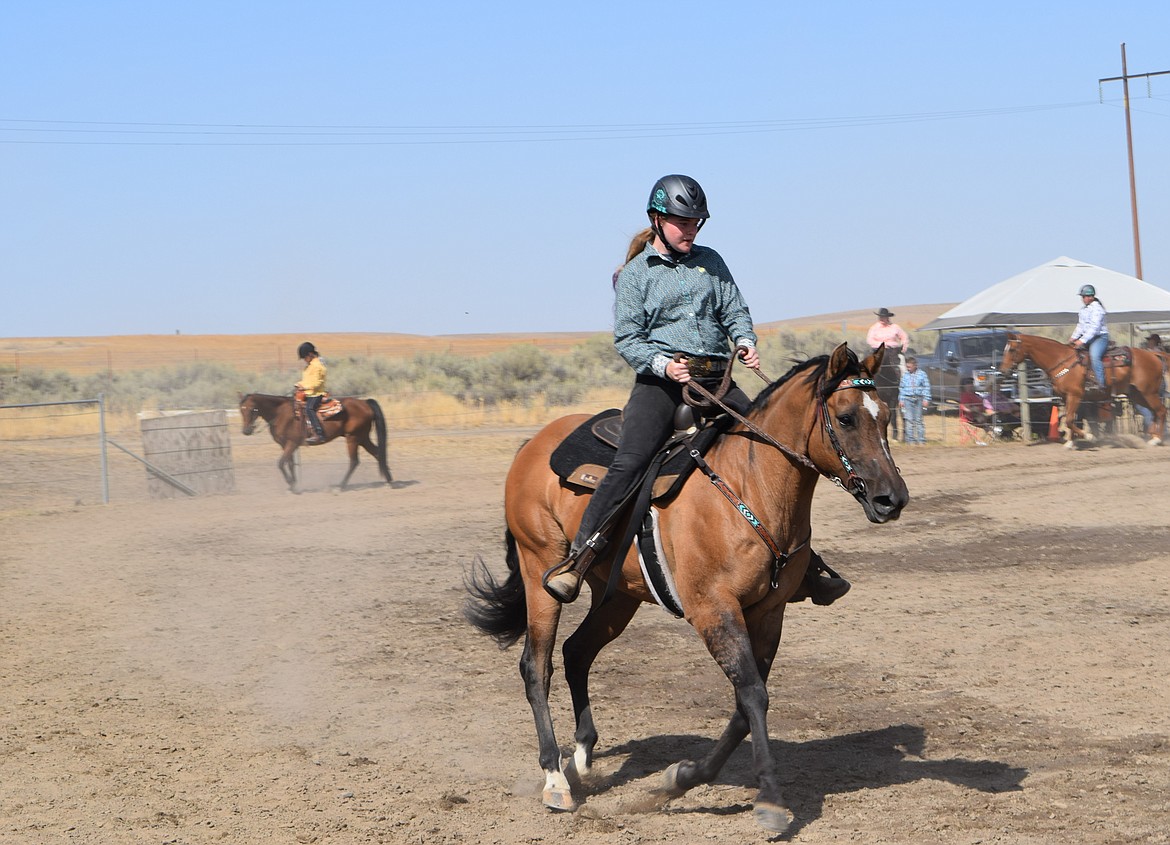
<point>885,506</point>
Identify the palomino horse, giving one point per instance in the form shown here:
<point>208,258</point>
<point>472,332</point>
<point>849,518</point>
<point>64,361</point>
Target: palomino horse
<point>354,423</point>
<point>1140,381</point>
<point>734,568</point>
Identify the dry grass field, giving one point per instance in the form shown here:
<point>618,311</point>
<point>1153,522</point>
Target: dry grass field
<point>85,355</point>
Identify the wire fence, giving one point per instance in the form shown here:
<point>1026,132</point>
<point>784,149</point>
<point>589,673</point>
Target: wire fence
<point>53,453</point>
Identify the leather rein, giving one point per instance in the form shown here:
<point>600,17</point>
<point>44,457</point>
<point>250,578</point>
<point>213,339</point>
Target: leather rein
<point>709,400</point>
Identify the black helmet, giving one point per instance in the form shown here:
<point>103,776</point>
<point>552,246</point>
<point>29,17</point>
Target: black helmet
<point>306,348</point>
<point>678,195</point>
<point>1088,290</point>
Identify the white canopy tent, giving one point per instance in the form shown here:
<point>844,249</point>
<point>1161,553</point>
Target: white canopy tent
<point>1047,296</point>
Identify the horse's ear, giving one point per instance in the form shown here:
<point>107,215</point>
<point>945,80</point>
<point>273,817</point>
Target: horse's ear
<point>874,362</point>
<point>1011,335</point>
<point>839,359</point>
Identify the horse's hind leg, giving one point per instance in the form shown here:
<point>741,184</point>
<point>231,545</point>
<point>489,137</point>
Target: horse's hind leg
<point>603,624</point>
<point>366,443</point>
<point>351,446</point>
<point>536,669</point>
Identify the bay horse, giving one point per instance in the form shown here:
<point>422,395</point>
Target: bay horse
<point>823,418</point>
<point>1140,380</point>
<point>354,422</point>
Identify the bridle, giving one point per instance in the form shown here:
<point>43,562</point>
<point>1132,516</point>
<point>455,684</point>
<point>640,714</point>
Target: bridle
<point>1073,358</point>
<point>253,414</point>
<point>856,484</point>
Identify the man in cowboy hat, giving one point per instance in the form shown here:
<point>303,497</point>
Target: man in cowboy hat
<point>883,331</point>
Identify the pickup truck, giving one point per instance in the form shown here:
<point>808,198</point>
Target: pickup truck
<point>973,354</point>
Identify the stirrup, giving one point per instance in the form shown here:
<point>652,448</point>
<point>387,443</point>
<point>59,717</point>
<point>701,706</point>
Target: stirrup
<point>576,564</point>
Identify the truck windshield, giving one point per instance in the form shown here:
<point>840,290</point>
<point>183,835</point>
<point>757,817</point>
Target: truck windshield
<point>982,346</point>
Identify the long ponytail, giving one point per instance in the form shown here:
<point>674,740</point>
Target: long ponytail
<point>637,244</point>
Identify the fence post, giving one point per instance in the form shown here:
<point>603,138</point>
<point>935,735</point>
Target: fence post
<point>1025,405</point>
<point>105,462</point>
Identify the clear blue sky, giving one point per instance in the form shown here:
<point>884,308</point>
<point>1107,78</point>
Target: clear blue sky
<point>454,167</point>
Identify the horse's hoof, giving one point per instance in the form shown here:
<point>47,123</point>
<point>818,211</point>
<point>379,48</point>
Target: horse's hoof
<point>1157,441</point>
<point>1070,445</point>
<point>559,799</point>
<point>771,817</point>
<point>670,785</point>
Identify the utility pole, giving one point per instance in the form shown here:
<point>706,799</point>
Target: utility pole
<point>1125,78</point>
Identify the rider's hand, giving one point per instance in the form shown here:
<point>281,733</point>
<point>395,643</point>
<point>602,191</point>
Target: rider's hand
<point>678,371</point>
<point>750,357</point>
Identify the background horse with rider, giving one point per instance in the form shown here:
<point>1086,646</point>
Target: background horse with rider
<point>290,431</point>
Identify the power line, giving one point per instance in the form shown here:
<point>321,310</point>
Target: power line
<point>214,134</point>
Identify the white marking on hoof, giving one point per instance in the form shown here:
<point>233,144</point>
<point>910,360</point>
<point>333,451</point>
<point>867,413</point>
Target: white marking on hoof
<point>1070,445</point>
<point>557,795</point>
<point>1157,441</point>
<point>579,762</point>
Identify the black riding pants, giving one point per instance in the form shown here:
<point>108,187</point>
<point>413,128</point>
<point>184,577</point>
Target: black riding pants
<point>647,422</point>
<point>312,403</point>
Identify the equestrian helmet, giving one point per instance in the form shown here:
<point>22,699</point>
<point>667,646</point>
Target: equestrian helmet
<point>306,348</point>
<point>678,195</point>
<point>1088,290</point>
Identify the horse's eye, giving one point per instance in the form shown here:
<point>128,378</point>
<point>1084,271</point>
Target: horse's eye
<point>846,420</point>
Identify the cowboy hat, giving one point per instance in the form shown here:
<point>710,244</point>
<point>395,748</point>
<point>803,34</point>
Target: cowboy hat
<point>885,312</point>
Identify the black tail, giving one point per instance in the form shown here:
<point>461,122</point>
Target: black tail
<point>498,610</point>
<point>380,428</point>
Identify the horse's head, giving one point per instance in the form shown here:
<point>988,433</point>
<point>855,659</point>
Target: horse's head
<point>1013,353</point>
<point>851,447</point>
<point>248,413</point>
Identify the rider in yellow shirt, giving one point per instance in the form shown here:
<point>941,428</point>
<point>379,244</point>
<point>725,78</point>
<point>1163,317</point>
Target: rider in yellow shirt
<point>313,384</point>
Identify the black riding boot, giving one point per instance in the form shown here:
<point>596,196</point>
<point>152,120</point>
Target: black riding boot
<point>821,584</point>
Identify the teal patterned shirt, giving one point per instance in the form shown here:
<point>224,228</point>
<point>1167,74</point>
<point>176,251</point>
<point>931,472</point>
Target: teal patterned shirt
<point>692,306</point>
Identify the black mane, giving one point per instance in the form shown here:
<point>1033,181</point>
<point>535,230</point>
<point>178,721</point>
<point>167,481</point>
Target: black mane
<point>817,369</point>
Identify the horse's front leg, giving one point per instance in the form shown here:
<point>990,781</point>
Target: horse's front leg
<point>602,625</point>
<point>1071,406</point>
<point>746,660</point>
<point>287,466</point>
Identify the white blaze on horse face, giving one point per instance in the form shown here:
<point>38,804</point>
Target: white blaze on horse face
<point>871,404</point>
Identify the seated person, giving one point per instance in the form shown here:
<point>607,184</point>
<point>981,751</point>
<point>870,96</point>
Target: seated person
<point>1002,413</point>
<point>972,416</point>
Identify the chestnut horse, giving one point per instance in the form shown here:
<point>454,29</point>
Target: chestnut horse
<point>823,418</point>
<point>353,423</point>
<point>1141,380</point>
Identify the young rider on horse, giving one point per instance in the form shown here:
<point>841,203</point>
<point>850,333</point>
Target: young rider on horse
<point>677,309</point>
<point>313,384</point>
<point>1092,332</point>
<point>883,331</point>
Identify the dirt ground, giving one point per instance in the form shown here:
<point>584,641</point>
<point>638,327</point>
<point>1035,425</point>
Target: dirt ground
<point>263,667</point>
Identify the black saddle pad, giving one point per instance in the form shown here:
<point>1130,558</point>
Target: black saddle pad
<point>583,456</point>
